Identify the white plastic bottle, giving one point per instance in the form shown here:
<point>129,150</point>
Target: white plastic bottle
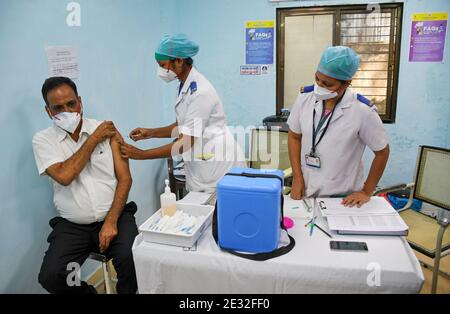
<point>168,201</point>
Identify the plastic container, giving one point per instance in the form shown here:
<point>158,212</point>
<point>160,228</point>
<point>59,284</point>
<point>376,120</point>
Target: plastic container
<point>175,238</point>
<point>249,211</point>
<point>399,200</point>
<point>168,201</point>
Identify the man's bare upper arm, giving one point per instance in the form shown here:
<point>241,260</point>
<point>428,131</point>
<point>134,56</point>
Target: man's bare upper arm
<point>121,165</point>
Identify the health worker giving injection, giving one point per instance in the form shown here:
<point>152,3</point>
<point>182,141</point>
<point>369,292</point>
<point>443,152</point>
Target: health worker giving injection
<point>206,144</point>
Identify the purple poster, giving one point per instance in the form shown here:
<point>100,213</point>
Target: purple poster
<point>428,37</point>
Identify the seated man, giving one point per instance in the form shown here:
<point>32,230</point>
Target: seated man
<point>91,182</point>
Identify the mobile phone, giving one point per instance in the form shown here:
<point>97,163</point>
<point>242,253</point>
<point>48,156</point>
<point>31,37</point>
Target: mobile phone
<point>348,246</point>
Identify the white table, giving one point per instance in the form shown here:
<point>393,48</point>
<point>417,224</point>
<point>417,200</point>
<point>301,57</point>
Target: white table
<point>390,266</point>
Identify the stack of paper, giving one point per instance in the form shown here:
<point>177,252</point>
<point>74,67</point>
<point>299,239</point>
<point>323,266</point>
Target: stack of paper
<point>376,217</point>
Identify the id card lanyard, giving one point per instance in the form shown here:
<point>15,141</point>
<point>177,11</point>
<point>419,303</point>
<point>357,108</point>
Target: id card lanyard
<point>315,131</point>
<point>313,160</point>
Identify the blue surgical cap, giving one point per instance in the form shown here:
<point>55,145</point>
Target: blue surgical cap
<point>339,62</point>
<point>175,46</point>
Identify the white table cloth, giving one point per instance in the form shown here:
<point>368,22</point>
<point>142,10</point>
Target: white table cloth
<point>389,266</point>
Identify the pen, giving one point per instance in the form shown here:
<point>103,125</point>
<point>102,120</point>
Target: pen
<point>310,221</point>
<point>324,231</point>
<point>313,223</point>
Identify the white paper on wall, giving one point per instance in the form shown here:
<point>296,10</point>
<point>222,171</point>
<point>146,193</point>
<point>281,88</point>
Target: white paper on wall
<point>63,61</point>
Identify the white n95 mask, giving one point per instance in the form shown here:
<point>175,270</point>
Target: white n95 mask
<point>67,121</point>
<point>166,75</point>
<point>322,93</point>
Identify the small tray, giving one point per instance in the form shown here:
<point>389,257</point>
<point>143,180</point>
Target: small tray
<point>176,239</point>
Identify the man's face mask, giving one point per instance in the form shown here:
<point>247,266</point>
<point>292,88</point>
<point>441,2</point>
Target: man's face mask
<point>166,75</point>
<point>67,121</point>
<point>322,93</point>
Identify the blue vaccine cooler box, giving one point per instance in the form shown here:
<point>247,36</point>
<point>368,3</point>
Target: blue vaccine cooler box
<point>249,210</point>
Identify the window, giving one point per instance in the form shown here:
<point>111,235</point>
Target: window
<point>303,34</point>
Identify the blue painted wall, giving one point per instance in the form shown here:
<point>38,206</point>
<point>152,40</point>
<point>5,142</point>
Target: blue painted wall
<point>423,107</point>
<point>118,82</point>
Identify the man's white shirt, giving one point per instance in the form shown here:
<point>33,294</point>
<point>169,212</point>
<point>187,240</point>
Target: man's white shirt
<point>90,195</point>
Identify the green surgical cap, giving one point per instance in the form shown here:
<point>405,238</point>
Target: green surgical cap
<point>339,62</point>
<point>175,46</point>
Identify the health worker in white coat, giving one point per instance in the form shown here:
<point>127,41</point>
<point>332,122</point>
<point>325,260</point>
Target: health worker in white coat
<point>329,128</point>
<point>204,140</point>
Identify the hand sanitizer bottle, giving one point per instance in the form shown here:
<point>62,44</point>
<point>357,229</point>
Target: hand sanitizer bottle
<point>168,201</point>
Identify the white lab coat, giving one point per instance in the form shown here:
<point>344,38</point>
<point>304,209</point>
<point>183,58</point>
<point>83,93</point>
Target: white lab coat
<point>200,114</point>
<point>354,126</point>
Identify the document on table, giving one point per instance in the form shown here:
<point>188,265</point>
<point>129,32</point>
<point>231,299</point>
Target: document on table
<point>376,217</point>
<point>383,224</point>
<point>333,206</point>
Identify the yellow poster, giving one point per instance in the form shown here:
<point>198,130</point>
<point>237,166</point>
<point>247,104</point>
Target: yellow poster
<point>435,16</point>
<point>260,24</point>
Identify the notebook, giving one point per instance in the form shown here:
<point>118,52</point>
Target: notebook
<point>333,206</point>
<point>382,224</point>
<point>377,217</point>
